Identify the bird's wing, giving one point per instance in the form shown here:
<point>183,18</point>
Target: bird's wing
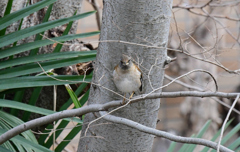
<point>140,73</point>
<point>141,79</point>
<point>115,71</point>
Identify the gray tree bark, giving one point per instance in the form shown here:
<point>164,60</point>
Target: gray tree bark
<point>3,5</point>
<point>143,22</point>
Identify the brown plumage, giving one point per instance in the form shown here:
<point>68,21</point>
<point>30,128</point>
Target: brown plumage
<point>127,76</point>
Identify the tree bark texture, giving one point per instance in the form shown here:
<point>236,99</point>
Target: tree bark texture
<point>143,22</point>
<point>3,5</point>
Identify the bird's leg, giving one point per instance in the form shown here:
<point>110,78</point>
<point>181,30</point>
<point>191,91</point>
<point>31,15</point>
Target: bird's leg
<point>131,95</point>
<point>123,102</point>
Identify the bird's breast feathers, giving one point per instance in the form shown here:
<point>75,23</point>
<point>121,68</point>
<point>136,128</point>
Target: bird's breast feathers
<point>127,81</point>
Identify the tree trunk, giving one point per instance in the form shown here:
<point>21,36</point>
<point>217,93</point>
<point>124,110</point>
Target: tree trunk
<point>143,22</point>
<point>3,5</point>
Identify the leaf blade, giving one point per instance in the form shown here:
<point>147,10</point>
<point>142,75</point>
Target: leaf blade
<point>46,65</point>
<point>17,15</point>
<point>18,35</point>
<point>28,46</point>
<point>30,108</point>
<point>41,57</point>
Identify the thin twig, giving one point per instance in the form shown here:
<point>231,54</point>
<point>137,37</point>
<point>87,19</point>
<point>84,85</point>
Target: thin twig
<point>184,84</point>
<point>200,89</point>
<point>157,47</point>
<point>96,7</point>
<point>216,16</point>
<point>196,70</point>
<point>225,121</point>
<point>54,109</point>
<point>220,23</point>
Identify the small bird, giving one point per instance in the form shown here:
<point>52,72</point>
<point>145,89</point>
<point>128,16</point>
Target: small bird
<point>127,76</point>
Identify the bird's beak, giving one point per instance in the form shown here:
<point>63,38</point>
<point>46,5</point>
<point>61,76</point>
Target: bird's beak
<point>124,63</point>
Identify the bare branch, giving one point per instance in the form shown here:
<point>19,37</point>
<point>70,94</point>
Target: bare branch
<point>216,64</point>
<point>226,3</point>
<point>225,104</point>
<point>191,6</point>
<point>190,9</point>
<point>53,117</point>
<point>200,89</point>
<point>220,23</point>
<point>216,16</point>
<point>163,134</point>
<point>185,94</point>
<point>96,7</point>
<point>237,71</point>
<point>183,84</point>
<point>225,121</point>
<point>196,70</point>
<point>102,107</point>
